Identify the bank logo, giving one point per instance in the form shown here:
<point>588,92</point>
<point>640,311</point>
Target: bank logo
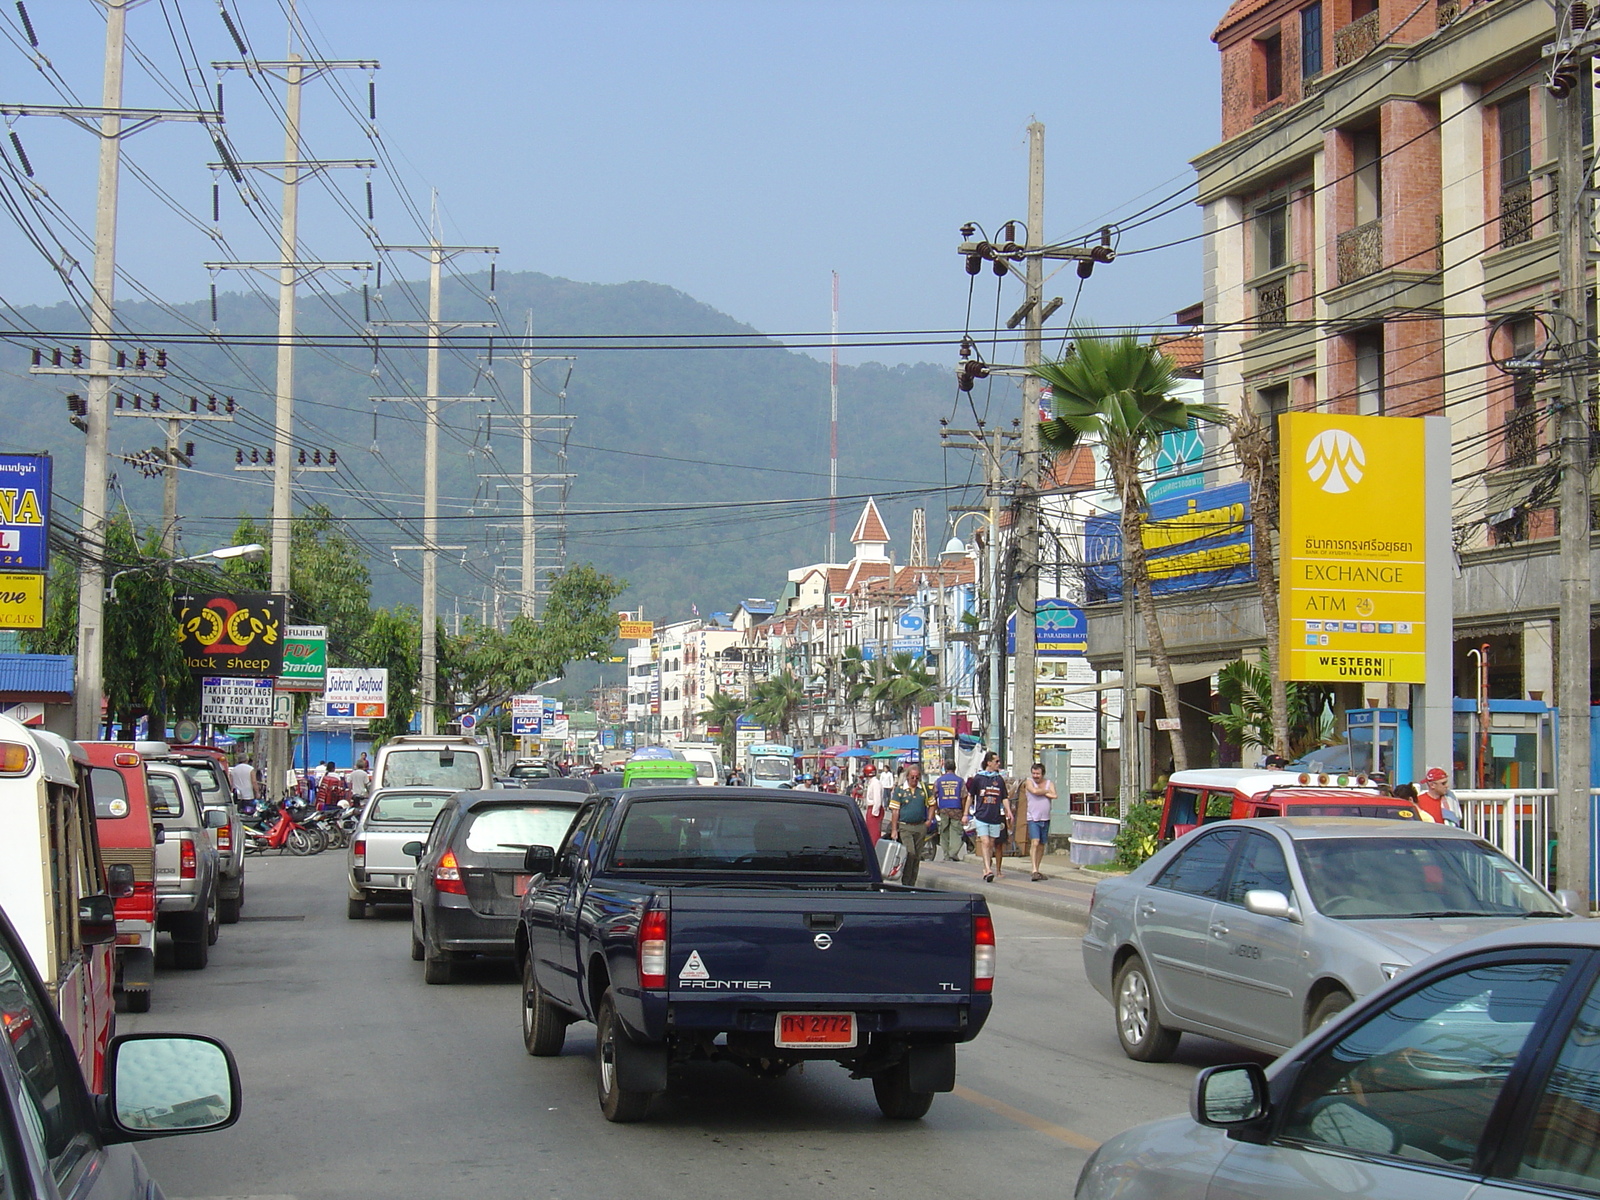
<point>1335,460</point>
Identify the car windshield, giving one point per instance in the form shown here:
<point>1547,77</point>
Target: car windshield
<point>1406,877</point>
<point>507,828</point>
<point>432,768</point>
<point>410,807</point>
<point>726,836</point>
<point>530,771</point>
<point>772,768</point>
<point>1398,811</point>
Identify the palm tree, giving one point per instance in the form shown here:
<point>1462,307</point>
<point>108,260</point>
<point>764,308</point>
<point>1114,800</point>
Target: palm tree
<point>913,686</point>
<point>778,700</point>
<point>1257,448</point>
<point>724,710</point>
<point>1118,391</point>
<point>856,672</point>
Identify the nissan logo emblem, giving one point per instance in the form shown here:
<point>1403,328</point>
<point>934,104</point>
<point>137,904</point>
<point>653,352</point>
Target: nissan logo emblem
<point>822,941</point>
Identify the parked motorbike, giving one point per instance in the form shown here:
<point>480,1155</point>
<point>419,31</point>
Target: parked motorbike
<point>277,829</point>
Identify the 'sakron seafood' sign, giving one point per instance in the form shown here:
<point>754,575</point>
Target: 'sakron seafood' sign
<point>235,634</point>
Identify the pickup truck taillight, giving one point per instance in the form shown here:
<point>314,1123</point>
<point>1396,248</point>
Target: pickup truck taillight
<point>358,852</point>
<point>187,861</point>
<point>447,875</point>
<point>653,949</point>
<point>225,838</point>
<point>982,954</point>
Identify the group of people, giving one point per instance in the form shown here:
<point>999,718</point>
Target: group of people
<point>897,802</point>
<point>322,785</point>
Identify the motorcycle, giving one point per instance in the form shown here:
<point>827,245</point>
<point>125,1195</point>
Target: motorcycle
<point>278,830</point>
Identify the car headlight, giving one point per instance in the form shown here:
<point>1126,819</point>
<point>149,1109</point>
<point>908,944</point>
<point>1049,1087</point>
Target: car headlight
<point>1390,970</point>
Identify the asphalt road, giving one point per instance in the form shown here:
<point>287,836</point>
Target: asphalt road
<point>362,1081</point>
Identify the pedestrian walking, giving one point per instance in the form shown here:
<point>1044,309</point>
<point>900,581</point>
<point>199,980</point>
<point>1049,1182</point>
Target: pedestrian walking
<point>1436,789</point>
<point>873,803</point>
<point>949,798</point>
<point>1038,794</point>
<point>243,777</point>
<point>908,819</point>
<point>360,781</point>
<point>989,803</point>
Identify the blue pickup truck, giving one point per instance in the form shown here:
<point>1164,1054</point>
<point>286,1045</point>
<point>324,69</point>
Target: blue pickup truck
<point>747,926</point>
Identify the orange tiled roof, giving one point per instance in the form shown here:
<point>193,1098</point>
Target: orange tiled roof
<point>1238,11</point>
<point>1188,350</point>
<point>870,527</point>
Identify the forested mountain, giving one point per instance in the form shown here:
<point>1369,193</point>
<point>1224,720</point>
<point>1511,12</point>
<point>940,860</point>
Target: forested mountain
<point>667,417</point>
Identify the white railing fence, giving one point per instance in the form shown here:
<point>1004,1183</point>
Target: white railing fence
<point>1517,822</point>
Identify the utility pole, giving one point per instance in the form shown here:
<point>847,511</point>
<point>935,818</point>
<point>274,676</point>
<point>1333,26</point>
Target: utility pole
<point>176,419</point>
<point>437,255</point>
<point>1570,819</point>
<point>291,171</point>
<point>107,122</point>
<point>833,430</point>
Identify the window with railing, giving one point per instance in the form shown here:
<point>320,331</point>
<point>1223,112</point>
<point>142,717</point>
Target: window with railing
<point>1522,437</point>
<point>1516,167</point>
<point>1272,303</point>
<point>1360,251</point>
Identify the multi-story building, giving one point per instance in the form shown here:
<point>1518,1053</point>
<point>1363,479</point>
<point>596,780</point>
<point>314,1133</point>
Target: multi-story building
<point>1377,236</point>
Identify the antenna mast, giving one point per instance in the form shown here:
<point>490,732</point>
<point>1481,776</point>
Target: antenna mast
<point>833,432</point>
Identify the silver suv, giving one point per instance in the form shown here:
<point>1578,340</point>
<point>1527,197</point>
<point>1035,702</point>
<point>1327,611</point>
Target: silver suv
<point>210,779</point>
<point>186,864</point>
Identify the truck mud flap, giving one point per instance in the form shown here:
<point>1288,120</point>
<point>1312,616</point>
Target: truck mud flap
<point>644,1068</point>
<point>932,1068</point>
<point>137,968</point>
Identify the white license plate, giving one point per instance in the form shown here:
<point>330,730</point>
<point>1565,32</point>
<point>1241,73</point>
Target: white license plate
<point>811,1030</point>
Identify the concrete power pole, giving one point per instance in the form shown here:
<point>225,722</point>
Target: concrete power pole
<point>1570,815</point>
<point>437,256</point>
<point>1022,701</point>
<point>107,121</point>
<point>295,71</point>
<point>176,419</point>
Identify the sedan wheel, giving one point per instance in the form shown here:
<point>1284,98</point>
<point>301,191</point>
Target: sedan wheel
<point>543,1031</point>
<point>1139,1029</point>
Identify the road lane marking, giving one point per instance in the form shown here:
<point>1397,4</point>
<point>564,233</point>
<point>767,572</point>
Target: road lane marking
<point>1026,1119</point>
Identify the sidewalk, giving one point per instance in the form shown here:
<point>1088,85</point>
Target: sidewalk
<point>1063,894</point>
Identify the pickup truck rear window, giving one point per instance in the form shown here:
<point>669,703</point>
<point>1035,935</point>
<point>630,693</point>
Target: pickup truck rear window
<point>204,773</point>
<point>730,836</point>
<point>408,807</point>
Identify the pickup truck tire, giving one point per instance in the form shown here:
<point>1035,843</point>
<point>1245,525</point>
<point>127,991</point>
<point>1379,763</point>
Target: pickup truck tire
<point>190,948</point>
<point>228,910</point>
<point>610,1042</point>
<point>1144,1038</point>
<point>213,922</point>
<point>137,1000</point>
<point>544,1029</point>
<point>356,910</point>
<point>896,1100</point>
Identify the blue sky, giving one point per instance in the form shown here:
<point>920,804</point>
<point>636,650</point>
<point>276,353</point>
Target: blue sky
<point>736,151</point>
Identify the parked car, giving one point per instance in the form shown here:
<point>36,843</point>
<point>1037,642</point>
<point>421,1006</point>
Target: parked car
<point>470,877</point>
<point>752,927</point>
<point>59,1140</point>
<point>56,886</point>
<point>1195,798</point>
<point>186,864</point>
<point>415,760</point>
<point>1472,1074</point>
<point>380,871</point>
<point>128,839</point>
<point>532,768</point>
<point>1258,932</point>
<point>208,768</point>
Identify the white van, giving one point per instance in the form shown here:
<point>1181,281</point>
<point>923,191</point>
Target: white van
<point>707,762</point>
<point>416,760</point>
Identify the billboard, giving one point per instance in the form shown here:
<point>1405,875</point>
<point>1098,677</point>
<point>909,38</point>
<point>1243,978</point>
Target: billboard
<point>229,701</point>
<point>1060,630</point>
<point>24,512</point>
<point>357,692</point>
<point>305,658</point>
<point>1197,540</point>
<point>21,601</point>
<point>231,633</point>
<point>1352,601</point>
<point>639,631</point>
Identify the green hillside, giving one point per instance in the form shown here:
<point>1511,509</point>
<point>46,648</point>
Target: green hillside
<point>658,427</point>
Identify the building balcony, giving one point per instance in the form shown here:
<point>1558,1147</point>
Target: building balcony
<point>1516,213</point>
<point>1447,12</point>
<point>1360,250</point>
<point>1521,437</point>
<point>1272,303</point>
<point>1356,39</point>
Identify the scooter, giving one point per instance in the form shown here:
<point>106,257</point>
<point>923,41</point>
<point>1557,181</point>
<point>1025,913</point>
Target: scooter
<point>284,833</point>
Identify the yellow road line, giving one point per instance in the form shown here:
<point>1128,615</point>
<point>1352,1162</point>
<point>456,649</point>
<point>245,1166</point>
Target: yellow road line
<point>1026,1119</point>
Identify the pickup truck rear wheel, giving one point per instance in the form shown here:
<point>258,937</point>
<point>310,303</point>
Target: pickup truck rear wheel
<point>1144,1038</point>
<point>136,1000</point>
<point>616,1104</point>
<point>356,910</point>
<point>896,1100</point>
<point>191,948</point>
<point>544,1030</point>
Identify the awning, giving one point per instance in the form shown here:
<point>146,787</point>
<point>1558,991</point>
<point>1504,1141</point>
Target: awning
<point>833,751</point>
<point>908,741</point>
<point>854,754</point>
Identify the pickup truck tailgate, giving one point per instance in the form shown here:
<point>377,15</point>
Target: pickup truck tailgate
<point>815,947</point>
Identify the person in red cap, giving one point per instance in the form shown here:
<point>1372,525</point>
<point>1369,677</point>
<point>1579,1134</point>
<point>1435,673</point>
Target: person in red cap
<point>1436,794</point>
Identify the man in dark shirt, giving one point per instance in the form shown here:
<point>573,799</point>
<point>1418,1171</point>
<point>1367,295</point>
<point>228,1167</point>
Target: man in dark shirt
<point>949,791</point>
<point>989,803</point>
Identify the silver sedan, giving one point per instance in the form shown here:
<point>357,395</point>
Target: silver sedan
<point>1256,932</point>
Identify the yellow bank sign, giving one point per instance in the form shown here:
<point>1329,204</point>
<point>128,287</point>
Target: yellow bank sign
<point>1353,591</point>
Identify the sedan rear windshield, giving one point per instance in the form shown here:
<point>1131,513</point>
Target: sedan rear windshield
<point>432,768</point>
<point>506,828</point>
<point>410,807</point>
<point>1403,877</point>
<point>729,836</point>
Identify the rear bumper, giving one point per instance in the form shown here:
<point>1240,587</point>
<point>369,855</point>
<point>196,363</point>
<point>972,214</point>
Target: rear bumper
<point>178,902</point>
<point>464,931</point>
<point>396,880</point>
<point>654,1017</point>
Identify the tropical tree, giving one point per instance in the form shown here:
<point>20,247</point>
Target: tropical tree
<point>856,672</point>
<point>914,686</point>
<point>778,700</point>
<point>1244,687</point>
<point>393,640</point>
<point>1257,450</point>
<point>1117,391</point>
<point>724,710</point>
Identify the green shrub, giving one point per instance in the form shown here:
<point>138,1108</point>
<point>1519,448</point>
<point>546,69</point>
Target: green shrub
<point>1136,840</point>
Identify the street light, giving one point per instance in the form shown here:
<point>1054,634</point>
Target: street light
<point>253,552</point>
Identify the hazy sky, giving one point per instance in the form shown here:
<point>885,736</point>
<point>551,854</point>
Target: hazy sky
<point>736,151</point>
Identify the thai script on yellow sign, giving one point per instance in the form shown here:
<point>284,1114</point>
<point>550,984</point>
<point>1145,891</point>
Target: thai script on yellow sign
<point>1353,591</point>
<point>636,630</point>
<point>21,601</point>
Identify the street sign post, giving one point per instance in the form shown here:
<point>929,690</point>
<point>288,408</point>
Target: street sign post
<point>357,692</point>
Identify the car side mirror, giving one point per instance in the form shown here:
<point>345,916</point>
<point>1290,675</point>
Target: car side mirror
<point>97,920</point>
<point>412,850</point>
<point>1571,901</point>
<point>160,833</point>
<point>163,1084</point>
<point>1266,903</point>
<point>119,880</point>
<point>539,860</point>
<point>1230,1097</point>
<point>214,818</point>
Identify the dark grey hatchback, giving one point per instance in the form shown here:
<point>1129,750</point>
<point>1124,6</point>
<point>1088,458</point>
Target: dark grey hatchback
<point>470,878</point>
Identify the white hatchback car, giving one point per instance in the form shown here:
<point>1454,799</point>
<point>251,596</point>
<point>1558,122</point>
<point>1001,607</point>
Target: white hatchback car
<point>1475,1074</point>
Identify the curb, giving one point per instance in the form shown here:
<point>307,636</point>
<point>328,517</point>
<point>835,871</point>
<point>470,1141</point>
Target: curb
<point>1061,908</point>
